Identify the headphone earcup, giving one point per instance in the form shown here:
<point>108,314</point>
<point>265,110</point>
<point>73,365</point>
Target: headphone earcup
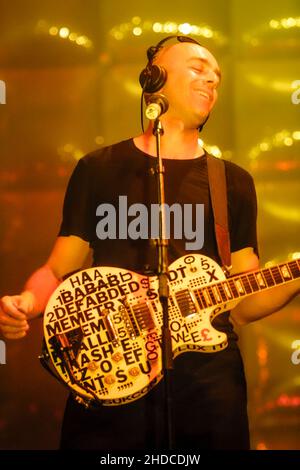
<point>153,78</point>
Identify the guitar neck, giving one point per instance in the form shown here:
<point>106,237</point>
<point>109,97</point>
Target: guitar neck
<point>242,285</point>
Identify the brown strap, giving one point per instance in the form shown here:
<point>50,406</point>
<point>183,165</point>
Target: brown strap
<point>218,194</point>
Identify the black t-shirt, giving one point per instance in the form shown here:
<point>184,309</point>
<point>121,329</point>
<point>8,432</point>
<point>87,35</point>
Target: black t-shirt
<point>122,169</point>
<point>209,389</point>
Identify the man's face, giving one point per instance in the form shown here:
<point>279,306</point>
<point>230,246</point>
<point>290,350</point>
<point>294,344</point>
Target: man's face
<point>193,78</point>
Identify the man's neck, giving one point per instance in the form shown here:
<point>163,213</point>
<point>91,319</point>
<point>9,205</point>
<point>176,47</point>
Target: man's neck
<point>175,143</point>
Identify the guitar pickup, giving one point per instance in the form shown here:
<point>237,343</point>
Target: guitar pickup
<point>110,327</point>
<point>186,303</point>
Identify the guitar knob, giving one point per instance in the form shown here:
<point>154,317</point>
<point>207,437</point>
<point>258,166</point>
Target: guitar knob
<point>92,365</point>
<point>134,371</point>
<point>109,379</point>
<point>117,357</point>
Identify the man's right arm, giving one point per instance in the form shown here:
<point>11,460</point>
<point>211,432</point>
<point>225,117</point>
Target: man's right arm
<point>68,255</point>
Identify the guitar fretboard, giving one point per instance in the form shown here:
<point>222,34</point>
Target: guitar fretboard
<point>246,284</point>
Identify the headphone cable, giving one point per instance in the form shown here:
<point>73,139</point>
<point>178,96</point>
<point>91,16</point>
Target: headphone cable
<point>142,111</point>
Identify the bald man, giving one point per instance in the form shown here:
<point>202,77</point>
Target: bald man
<point>209,391</point>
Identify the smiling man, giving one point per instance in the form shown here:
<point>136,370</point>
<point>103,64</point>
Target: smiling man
<point>193,76</point>
<point>209,390</point>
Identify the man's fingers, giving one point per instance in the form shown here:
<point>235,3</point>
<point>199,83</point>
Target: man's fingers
<point>8,320</point>
<point>13,329</point>
<point>9,306</point>
<point>15,335</point>
<point>13,322</point>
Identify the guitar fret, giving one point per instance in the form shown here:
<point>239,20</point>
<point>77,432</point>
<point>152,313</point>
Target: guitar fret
<point>260,280</point>
<point>216,293</point>
<point>233,288</point>
<point>246,284</point>
<point>239,286</point>
<point>286,273</point>
<point>207,296</point>
<point>268,277</point>
<point>276,274</point>
<point>227,289</point>
<point>271,277</point>
<point>211,294</point>
<point>201,299</point>
<point>294,267</point>
<point>222,292</point>
<point>253,282</point>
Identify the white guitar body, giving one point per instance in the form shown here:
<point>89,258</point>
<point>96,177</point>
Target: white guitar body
<point>105,323</point>
<point>102,326</point>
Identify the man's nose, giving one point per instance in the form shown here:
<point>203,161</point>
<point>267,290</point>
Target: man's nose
<point>211,78</point>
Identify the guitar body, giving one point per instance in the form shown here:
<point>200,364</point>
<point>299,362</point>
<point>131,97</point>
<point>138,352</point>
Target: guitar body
<point>102,327</point>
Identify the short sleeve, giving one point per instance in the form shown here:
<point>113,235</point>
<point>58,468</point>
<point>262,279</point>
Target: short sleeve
<point>243,213</point>
<point>78,213</point>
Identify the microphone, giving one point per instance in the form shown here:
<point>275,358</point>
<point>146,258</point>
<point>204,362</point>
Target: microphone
<point>157,105</point>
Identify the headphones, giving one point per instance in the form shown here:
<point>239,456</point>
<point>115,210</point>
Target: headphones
<point>153,77</point>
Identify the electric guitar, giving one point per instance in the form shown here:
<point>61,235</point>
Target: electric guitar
<point>102,325</point>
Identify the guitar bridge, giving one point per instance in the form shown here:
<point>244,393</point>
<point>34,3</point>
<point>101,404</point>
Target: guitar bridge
<point>128,319</point>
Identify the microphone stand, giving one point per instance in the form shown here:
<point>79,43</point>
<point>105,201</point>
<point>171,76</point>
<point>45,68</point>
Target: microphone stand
<point>163,291</point>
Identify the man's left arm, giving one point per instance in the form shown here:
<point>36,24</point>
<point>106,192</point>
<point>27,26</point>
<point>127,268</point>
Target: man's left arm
<point>260,304</point>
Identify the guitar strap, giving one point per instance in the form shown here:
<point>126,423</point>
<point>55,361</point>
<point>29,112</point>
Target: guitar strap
<point>218,195</point>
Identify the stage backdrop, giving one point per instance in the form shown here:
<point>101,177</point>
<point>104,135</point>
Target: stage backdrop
<point>69,84</point>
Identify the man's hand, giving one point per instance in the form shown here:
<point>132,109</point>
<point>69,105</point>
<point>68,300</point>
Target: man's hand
<point>68,254</point>
<point>14,313</point>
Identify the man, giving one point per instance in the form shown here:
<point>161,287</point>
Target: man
<point>209,391</point>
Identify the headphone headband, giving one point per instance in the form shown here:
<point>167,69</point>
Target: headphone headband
<point>153,50</point>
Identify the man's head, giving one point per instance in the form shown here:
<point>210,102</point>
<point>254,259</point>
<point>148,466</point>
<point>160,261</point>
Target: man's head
<point>189,80</point>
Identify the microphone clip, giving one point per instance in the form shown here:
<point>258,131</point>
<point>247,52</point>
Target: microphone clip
<point>157,104</point>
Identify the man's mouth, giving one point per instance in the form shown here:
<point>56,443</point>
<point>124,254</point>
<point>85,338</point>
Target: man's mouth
<point>205,94</point>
